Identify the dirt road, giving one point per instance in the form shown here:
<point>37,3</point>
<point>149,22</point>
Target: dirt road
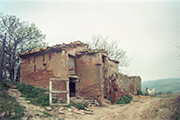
<point>140,108</point>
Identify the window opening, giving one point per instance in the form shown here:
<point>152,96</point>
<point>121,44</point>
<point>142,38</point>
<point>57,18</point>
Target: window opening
<point>49,56</point>
<point>34,68</point>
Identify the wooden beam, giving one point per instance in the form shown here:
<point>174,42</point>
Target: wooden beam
<point>59,79</point>
<point>58,104</point>
<point>55,91</point>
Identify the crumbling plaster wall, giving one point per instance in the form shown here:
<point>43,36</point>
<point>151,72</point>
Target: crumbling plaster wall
<point>113,67</point>
<point>89,70</point>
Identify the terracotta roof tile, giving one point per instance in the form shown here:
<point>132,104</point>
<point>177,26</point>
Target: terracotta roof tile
<point>57,46</point>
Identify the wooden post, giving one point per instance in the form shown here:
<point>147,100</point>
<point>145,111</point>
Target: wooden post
<point>67,86</point>
<point>50,92</point>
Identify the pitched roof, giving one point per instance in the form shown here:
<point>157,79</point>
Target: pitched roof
<point>55,47</point>
<point>90,51</point>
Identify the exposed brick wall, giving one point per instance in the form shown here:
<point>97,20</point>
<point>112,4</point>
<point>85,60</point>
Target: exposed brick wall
<point>89,70</point>
<point>38,72</point>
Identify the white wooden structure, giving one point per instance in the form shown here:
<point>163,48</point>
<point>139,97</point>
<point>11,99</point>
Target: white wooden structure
<point>55,91</point>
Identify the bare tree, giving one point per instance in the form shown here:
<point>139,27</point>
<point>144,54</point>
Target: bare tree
<point>112,47</point>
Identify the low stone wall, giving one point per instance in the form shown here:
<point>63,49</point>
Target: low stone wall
<point>122,84</point>
<point>135,84</point>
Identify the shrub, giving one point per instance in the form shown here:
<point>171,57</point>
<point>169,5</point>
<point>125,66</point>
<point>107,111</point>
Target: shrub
<point>3,86</point>
<point>79,106</point>
<point>139,92</point>
<point>110,99</point>
<point>120,101</point>
<point>126,99</point>
<point>129,96</point>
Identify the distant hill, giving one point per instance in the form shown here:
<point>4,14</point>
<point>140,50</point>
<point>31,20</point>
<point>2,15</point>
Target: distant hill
<point>162,85</point>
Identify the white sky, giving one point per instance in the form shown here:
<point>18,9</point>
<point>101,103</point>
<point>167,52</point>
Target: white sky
<point>147,29</point>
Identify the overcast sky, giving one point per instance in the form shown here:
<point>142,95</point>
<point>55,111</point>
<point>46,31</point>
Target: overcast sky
<point>147,29</point>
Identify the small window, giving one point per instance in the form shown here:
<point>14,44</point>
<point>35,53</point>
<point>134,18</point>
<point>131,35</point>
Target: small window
<point>34,68</point>
<point>34,59</point>
<point>43,57</point>
<point>49,56</point>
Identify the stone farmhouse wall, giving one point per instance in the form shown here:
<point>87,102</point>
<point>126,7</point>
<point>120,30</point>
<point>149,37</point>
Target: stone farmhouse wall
<point>98,75</point>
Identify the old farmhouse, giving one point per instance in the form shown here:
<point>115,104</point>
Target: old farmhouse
<point>78,70</point>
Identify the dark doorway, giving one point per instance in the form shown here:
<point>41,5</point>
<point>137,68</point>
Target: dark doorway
<point>72,89</point>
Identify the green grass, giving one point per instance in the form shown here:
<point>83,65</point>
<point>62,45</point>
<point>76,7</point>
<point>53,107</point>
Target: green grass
<point>69,105</point>
<point>124,99</point>
<point>34,94</point>
<point>79,106</point>
<point>167,95</point>
<point>8,105</point>
<point>139,92</point>
<point>46,113</point>
<point>120,101</point>
<point>110,99</point>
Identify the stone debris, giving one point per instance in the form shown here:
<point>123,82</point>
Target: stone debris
<point>116,113</point>
<point>48,108</point>
<point>70,113</point>
<point>107,101</point>
<point>79,97</point>
<point>73,108</point>
<point>69,109</point>
<point>21,98</point>
<point>28,101</point>
<point>96,103</point>
<point>61,112</point>
<point>86,108</point>
<point>91,106</point>
<point>87,112</point>
<point>14,90</point>
<point>61,108</point>
<point>78,112</point>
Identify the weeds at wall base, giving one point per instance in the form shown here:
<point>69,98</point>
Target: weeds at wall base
<point>124,99</point>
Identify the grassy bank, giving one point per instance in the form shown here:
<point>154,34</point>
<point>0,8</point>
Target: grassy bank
<point>9,108</point>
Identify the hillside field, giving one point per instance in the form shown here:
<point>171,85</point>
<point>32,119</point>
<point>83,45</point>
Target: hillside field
<point>162,85</point>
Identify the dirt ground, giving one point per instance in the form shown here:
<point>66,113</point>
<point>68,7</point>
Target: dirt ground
<point>141,107</point>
